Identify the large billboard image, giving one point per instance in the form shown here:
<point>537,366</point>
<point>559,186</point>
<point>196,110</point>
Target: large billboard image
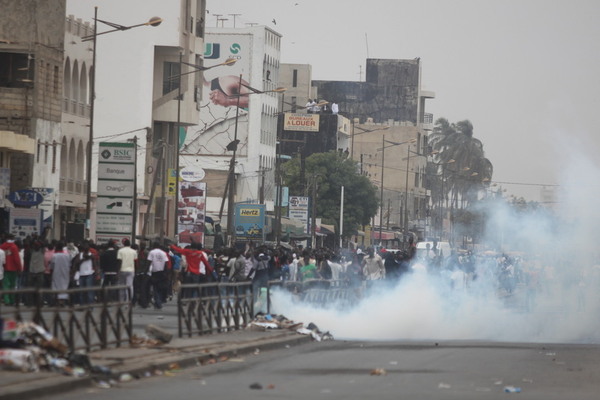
<point>219,101</point>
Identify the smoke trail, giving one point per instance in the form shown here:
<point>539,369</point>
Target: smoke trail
<point>554,296</point>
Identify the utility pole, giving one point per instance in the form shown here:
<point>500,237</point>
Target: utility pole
<point>159,164</point>
<point>234,17</point>
<point>313,222</point>
<point>381,190</point>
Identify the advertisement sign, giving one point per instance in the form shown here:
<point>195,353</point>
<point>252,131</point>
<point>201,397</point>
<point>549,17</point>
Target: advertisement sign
<point>116,191</point>
<point>47,205</point>
<point>25,222</point>
<point>301,122</point>
<point>298,209</point>
<point>25,198</point>
<point>217,108</point>
<point>191,212</point>
<point>249,221</point>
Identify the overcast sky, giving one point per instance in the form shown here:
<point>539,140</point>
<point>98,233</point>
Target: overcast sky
<point>524,72</point>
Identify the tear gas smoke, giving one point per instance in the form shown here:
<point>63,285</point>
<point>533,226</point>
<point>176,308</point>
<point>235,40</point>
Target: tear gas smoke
<point>553,294</point>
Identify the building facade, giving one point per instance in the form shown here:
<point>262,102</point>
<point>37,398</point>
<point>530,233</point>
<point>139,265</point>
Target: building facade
<point>246,123</point>
<point>31,79</point>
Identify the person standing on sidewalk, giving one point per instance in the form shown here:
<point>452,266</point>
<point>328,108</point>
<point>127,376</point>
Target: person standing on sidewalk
<point>158,262</point>
<point>37,269</point>
<point>127,257</point>
<point>12,268</point>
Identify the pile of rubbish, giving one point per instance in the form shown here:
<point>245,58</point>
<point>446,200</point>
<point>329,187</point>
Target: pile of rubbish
<point>269,321</point>
<point>28,347</point>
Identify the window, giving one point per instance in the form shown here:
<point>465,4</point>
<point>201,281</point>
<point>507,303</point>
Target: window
<point>14,70</point>
<point>295,78</point>
<point>171,77</point>
<point>54,145</point>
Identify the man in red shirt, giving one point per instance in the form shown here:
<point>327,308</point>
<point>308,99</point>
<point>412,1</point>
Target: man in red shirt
<point>197,266</point>
<point>12,268</point>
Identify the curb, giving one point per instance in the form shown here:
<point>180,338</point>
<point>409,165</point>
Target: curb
<point>193,356</point>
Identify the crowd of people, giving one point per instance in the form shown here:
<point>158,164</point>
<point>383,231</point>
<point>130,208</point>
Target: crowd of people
<point>152,274</point>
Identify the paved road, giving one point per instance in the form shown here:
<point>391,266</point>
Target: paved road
<point>344,370</point>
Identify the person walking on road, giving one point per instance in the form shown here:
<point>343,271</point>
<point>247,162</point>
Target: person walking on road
<point>373,267</point>
<point>198,267</point>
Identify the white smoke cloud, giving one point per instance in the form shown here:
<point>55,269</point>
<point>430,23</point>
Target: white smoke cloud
<point>556,299</point>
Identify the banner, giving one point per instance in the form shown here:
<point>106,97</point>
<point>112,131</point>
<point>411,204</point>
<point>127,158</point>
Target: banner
<point>191,213</point>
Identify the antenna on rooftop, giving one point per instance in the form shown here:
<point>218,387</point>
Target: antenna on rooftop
<point>217,15</point>
<point>234,16</point>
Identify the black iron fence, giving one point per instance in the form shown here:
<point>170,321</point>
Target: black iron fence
<point>81,318</point>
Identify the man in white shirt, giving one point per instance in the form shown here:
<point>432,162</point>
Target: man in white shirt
<point>158,278</point>
<point>126,256</point>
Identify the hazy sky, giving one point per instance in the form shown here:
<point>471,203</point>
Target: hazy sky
<point>524,72</point>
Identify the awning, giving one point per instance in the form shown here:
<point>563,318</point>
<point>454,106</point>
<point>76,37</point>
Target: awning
<point>326,229</point>
<point>15,142</point>
<point>384,235</point>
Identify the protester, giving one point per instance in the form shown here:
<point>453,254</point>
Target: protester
<point>60,266</point>
<point>109,266</point>
<point>126,257</point>
<point>12,268</point>
<point>198,267</point>
<point>84,263</point>
<point>158,264</point>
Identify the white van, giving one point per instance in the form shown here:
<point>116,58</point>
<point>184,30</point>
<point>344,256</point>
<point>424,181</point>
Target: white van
<point>443,249</point>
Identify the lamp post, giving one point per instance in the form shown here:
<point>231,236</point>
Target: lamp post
<point>382,149</point>
<point>154,21</point>
<point>231,184</point>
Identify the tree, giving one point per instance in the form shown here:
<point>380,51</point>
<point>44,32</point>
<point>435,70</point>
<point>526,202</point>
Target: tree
<point>330,171</point>
<point>460,160</point>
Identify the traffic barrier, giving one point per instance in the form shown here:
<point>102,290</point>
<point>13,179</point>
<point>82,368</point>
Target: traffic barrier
<point>103,322</point>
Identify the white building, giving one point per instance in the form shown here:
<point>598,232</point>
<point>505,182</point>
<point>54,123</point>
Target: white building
<point>137,86</point>
<point>256,51</point>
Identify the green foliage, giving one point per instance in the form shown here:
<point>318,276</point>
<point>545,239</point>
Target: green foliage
<point>330,171</point>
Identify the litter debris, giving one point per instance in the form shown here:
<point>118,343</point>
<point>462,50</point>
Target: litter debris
<point>314,331</point>
<point>443,385</point>
<point>102,384</point>
<point>256,386</point>
<point>378,371</point>
<point>139,341</point>
<point>268,321</point>
<point>159,333</point>
<point>125,377</point>
<point>512,389</point>
<point>270,386</point>
<point>18,359</point>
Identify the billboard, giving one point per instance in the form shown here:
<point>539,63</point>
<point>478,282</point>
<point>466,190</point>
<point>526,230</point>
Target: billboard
<point>250,221</point>
<point>298,209</point>
<point>191,213</point>
<point>218,104</point>
<point>116,191</point>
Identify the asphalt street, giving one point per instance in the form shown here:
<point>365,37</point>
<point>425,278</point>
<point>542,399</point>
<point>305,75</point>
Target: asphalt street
<point>380,370</point>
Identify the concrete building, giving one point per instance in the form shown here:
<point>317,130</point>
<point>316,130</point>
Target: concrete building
<point>256,50</point>
<point>297,78</point>
<point>31,59</point>
<point>389,103</point>
<point>138,81</point>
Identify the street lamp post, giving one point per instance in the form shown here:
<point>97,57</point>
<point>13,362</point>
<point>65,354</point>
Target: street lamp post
<point>231,184</point>
<point>154,21</point>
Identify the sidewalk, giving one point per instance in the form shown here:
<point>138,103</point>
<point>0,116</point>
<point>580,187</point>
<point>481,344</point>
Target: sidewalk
<point>145,361</point>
